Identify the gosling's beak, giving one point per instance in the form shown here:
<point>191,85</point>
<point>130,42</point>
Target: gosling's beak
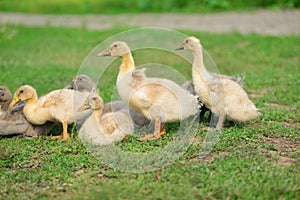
<point>83,108</point>
<point>14,102</point>
<point>180,47</point>
<point>71,85</point>
<point>104,53</point>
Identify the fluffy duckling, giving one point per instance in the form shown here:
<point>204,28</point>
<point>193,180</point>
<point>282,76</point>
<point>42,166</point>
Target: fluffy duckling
<point>13,121</point>
<point>157,99</point>
<point>188,85</point>
<point>82,83</point>
<point>104,129</point>
<point>222,96</point>
<point>56,106</point>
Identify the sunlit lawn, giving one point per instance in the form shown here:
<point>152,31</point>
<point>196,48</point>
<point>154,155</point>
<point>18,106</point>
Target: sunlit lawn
<point>258,160</point>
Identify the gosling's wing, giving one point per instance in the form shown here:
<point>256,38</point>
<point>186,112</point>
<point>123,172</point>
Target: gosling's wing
<point>141,99</point>
<point>53,98</point>
<point>238,79</point>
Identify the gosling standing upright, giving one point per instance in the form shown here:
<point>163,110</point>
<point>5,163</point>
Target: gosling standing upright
<point>56,106</point>
<point>157,99</point>
<point>222,96</point>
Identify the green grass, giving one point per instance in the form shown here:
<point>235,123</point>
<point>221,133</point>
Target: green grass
<point>245,164</point>
<point>138,6</point>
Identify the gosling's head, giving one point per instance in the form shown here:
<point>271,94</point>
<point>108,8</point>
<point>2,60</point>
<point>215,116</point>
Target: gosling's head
<point>24,93</point>
<point>82,83</point>
<point>190,43</point>
<point>5,94</point>
<point>93,102</point>
<point>118,48</point>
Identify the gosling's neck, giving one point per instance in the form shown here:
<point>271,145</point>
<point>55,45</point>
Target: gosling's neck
<point>201,86</point>
<point>199,62</point>
<point>200,76</point>
<point>33,99</point>
<point>97,113</point>
<point>30,105</point>
<point>126,66</point>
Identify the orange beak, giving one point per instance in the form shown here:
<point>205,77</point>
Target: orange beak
<point>14,102</point>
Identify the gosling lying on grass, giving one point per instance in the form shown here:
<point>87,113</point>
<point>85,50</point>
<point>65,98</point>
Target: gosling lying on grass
<point>104,129</point>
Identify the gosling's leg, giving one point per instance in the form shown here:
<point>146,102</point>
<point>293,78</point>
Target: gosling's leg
<point>220,121</point>
<point>65,131</point>
<point>158,132</point>
<point>64,135</point>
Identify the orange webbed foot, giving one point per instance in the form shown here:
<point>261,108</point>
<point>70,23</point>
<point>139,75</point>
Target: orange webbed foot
<point>154,136</point>
<point>56,137</point>
<point>63,137</point>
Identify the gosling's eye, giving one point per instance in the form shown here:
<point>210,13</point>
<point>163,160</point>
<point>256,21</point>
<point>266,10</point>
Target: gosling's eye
<point>21,91</point>
<point>94,98</point>
<point>186,41</point>
<point>2,94</point>
<point>115,45</point>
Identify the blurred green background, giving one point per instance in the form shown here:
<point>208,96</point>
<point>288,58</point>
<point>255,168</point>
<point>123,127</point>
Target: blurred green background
<point>137,6</point>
